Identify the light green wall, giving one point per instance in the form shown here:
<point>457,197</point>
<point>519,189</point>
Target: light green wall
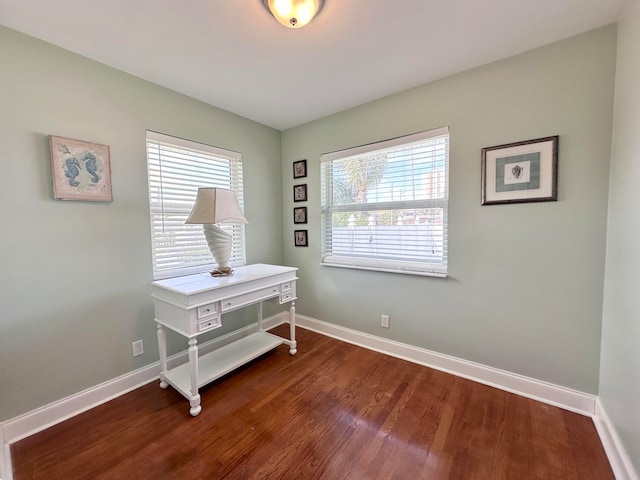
<point>75,275</point>
<point>525,284</point>
<point>620,363</point>
<point>525,287</point>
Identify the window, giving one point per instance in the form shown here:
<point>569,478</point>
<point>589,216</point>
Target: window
<point>384,205</point>
<point>176,169</point>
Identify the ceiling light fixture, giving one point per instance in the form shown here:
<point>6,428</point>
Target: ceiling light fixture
<point>293,13</point>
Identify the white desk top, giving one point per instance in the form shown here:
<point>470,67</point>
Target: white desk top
<point>200,282</point>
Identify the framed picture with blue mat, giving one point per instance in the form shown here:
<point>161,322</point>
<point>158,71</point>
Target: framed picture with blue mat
<point>520,172</point>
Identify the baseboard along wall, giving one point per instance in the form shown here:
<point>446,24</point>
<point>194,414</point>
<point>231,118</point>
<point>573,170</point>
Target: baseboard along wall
<point>618,457</point>
<point>42,418</point>
<point>562,397</point>
<point>30,423</point>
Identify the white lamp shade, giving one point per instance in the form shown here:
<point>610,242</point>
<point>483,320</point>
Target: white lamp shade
<point>216,205</point>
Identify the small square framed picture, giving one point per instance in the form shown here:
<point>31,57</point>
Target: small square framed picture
<point>80,170</point>
<point>520,172</point>
<point>300,169</point>
<point>300,193</point>
<point>300,238</point>
<point>300,215</point>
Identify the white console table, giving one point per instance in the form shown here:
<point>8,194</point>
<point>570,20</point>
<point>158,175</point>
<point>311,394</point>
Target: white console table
<point>194,304</point>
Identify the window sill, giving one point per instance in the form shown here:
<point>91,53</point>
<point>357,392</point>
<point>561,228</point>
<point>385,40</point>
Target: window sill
<point>387,270</point>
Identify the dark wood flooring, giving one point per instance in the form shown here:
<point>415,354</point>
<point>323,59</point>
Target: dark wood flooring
<point>334,411</point>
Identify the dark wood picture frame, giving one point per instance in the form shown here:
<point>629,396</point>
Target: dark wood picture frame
<point>300,238</point>
<point>300,215</point>
<point>520,172</point>
<point>300,169</point>
<point>300,193</point>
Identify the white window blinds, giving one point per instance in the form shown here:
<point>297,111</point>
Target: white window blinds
<point>384,205</point>
<point>176,169</point>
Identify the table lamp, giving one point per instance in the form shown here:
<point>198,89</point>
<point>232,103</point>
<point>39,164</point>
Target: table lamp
<point>214,206</point>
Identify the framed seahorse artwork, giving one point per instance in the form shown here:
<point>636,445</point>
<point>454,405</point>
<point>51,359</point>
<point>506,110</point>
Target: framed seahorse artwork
<point>80,170</point>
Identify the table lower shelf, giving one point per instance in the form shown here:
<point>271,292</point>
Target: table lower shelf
<point>223,360</point>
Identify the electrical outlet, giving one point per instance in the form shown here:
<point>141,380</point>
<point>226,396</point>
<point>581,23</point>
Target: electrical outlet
<point>138,348</point>
<point>384,321</point>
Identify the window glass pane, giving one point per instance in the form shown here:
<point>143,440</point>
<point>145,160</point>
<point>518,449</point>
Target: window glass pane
<point>414,234</point>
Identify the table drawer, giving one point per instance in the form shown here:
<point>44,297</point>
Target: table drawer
<point>208,309</point>
<point>247,298</point>
<point>209,323</point>
<point>285,287</point>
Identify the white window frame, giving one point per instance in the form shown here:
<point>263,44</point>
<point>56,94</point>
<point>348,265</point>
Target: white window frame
<point>398,260</point>
<point>176,168</point>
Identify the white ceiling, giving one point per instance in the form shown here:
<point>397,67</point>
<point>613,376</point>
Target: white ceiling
<point>234,55</point>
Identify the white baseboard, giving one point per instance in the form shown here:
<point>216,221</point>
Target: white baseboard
<point>556,395</point>
<point>572,400</point>
<point>618,456</point>
<point>5,462</point>
<point>37,420</point>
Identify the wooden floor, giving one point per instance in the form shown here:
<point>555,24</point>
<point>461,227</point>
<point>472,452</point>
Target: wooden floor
<point>334,411</point>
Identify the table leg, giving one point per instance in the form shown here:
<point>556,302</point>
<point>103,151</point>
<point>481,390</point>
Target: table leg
<point>194,398</point>
<point>292,329</point>
<point>162,348</point>
<point>260,327</point>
